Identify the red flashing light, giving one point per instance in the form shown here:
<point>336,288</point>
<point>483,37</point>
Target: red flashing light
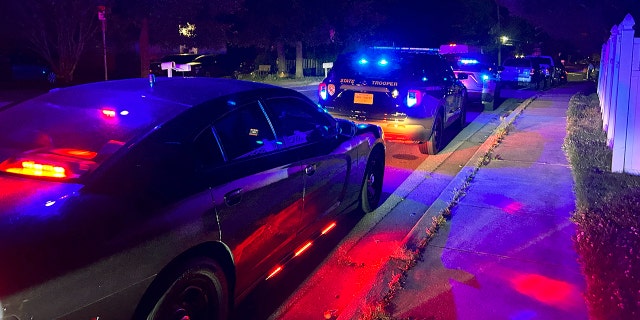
<point>322,91</point>
<point>109,113</point>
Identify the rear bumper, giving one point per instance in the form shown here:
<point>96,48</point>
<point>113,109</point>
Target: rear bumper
<point>409,131</point>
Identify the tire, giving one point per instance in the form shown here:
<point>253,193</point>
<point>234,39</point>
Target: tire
<point>372,185</point>
<point>462,121</point>
<point>434,144</point>
<point>197,290</point>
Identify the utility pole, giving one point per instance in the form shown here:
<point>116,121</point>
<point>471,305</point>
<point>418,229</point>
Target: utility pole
<point>103,20</point>
<point>499,36</point>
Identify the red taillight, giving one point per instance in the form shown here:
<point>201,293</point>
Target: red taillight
<point>59,164</point>
<point>38,169</point>
<point>322,91</point>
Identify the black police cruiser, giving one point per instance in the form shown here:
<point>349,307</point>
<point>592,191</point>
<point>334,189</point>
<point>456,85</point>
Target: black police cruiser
<point>412,93</point>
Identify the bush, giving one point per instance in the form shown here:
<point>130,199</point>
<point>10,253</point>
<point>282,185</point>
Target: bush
<point>607,216</point>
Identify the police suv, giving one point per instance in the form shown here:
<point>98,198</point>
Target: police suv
<point>412,93</point>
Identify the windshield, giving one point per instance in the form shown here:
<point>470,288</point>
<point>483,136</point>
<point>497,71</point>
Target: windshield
<point>517,63</point>
<point>90,124</point>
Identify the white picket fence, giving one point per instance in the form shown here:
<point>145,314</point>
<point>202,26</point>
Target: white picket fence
<point>619,94</point>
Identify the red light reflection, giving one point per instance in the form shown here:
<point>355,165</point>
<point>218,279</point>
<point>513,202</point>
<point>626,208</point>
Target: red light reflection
<point>543,289</point>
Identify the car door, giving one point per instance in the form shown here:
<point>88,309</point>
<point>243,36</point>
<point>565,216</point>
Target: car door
<point>308,132</point>
<point>256,190</point>
<point>453,91</point>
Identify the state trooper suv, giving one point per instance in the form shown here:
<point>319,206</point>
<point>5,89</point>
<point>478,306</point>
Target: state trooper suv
<point>412,93</point>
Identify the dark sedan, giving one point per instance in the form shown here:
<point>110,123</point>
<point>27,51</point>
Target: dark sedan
<point>169,200</point>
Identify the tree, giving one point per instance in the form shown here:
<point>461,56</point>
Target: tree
<point>56,30</point>
<point>156,23</point>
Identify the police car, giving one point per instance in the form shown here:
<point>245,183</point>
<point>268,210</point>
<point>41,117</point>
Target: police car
<point>482,80</point>
<point>412,93</point>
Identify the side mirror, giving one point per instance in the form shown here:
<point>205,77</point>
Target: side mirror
<point>346,127</point>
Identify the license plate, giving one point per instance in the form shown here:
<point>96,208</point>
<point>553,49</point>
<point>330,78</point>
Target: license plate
<point>363,98</point>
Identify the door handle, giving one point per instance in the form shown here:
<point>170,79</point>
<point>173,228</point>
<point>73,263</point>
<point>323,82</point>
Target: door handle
<point>310,169</point>
<point>233,197</point>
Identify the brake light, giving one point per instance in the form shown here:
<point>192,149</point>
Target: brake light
<point>322,91</point>
<point>50,165</point>
<point>414,97</point>
<point>32,168</point>
<point>331,89</point>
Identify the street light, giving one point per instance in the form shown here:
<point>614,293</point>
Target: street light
<point>103,20</point>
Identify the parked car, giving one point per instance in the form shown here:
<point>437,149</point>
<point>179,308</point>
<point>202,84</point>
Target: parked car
<point>132,199</point>
<point>411,93</point>
<point>482,81</point>
<point>25,69</point>
<point>523,72</point>
<point>549,67</point>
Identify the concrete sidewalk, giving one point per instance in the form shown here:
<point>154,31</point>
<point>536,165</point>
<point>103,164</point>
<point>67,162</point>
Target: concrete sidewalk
<point>507,251</point>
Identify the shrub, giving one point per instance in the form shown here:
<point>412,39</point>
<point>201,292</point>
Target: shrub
<point>607,216</point>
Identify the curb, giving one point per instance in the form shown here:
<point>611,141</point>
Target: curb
<point>380,286</point>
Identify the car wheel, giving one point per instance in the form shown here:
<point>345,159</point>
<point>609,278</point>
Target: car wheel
<point>372,185</point>
<point>197,290</point>
<point>433,145</point>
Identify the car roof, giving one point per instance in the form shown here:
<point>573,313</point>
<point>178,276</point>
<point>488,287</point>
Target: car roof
<point>184,91</point>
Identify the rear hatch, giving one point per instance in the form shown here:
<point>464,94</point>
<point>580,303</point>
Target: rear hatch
<point>378,85</point>
<point>516,70</point>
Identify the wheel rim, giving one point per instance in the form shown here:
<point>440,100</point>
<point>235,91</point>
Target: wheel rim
<point>192,297</point>
<point>373,184</point>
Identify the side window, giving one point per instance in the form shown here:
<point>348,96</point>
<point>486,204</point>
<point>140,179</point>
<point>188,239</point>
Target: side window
<point>207,148</point>
<point>297,121</point>
<point>244,132</point>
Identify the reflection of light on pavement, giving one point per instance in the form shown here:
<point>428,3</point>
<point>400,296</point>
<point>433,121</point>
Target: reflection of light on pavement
<point>544,289</point>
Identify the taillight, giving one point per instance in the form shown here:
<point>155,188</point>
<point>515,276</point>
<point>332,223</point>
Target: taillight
<point>48,165</point>
<point>322,91</point>
<point>414,97</point>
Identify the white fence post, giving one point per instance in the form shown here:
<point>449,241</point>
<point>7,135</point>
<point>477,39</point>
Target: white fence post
<point>632,150</point>
<point>612,96</point>
<point>622,87</point>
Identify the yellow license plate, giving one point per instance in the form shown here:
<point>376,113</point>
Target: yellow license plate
<point>363,98</point>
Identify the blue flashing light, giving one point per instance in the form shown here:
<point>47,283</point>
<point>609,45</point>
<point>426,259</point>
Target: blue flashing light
<point>231,103</point>
<point>469,61</point>
<point>260,142</point>
<point>383,62</point>
<point>363,61</point>
<point>485,77</point>
<point>424,79</point>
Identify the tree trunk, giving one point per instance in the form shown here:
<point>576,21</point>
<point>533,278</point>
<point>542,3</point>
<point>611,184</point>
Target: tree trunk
<point>282,62</point>
<point>145,59</point>
<point>299,60</point>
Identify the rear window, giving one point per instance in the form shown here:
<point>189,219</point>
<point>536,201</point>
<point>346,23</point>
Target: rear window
<point>517,63</point>
<point>385,64</point>
<point>84,124</point>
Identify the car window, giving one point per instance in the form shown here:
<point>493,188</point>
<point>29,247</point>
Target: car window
<point>389,65</point>
<point>517,63</point>
<point>207,148</point>
<point>244,132</point>
<point>297,121</point>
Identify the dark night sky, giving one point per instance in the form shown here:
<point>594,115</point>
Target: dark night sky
<point>585,23</point>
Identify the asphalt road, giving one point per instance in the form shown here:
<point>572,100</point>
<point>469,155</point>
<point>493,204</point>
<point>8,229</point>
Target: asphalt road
<point>325,281</point>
